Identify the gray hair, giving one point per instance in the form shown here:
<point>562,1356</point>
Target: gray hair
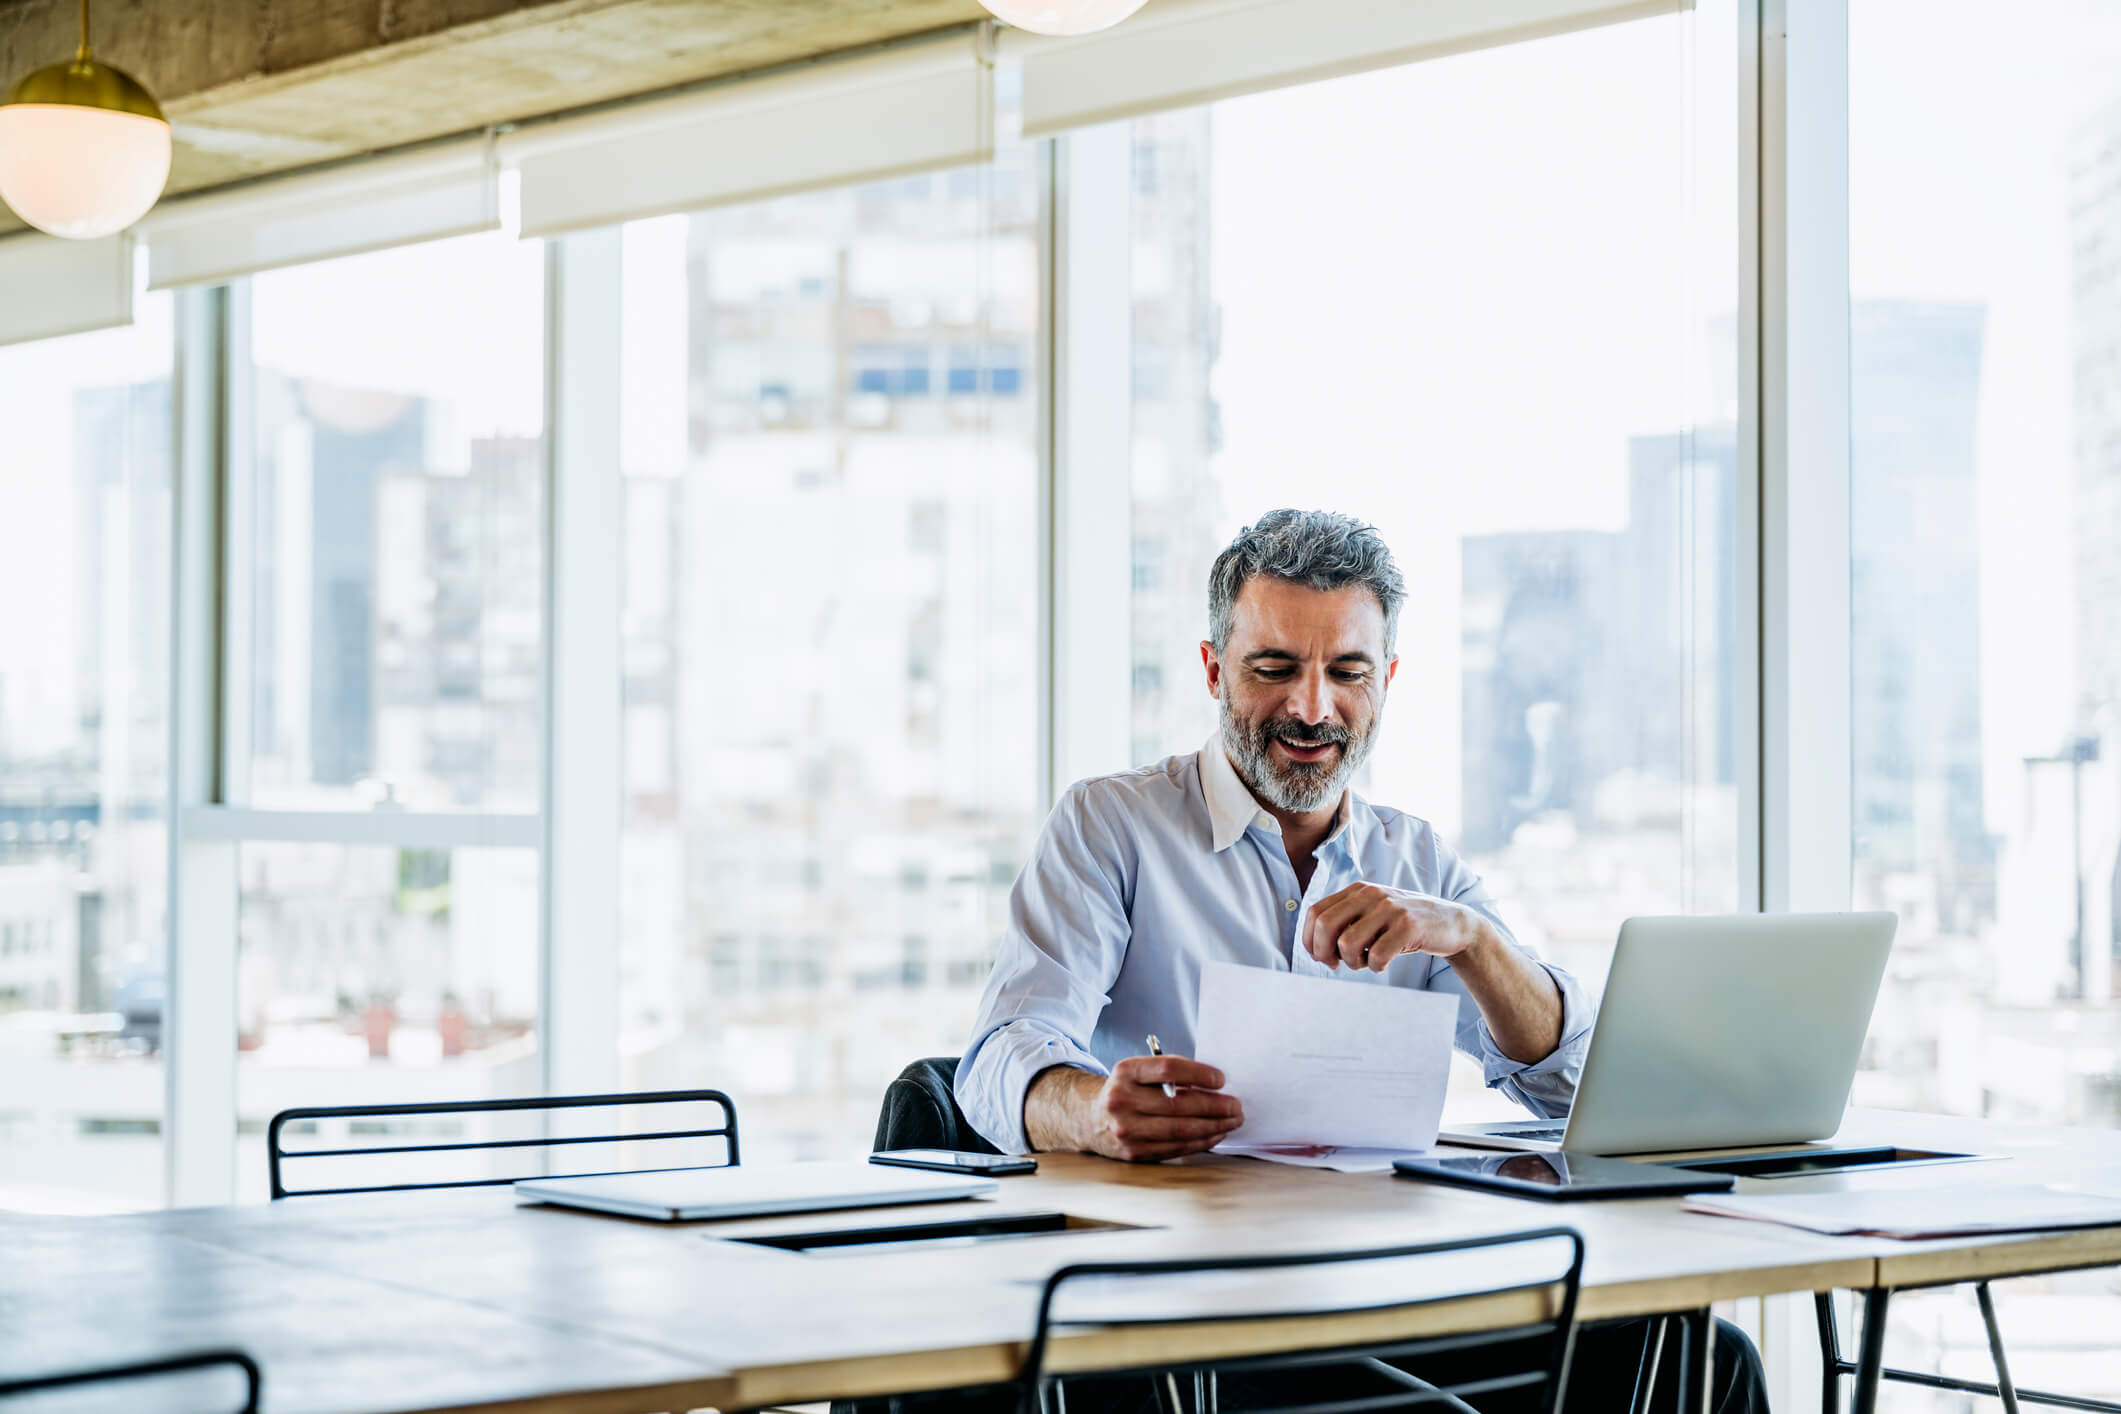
<point>1321,549</point>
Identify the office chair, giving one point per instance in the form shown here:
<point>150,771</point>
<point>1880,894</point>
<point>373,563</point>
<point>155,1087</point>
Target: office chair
<point>920,1111</point>
<point>1044,1393</point>
<point>142,1369</point>
<point>276,1155</point>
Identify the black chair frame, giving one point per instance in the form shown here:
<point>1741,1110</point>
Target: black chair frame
<point>253,1379</point>
<point>1869,1367</point>
<point>275,1154</point>
<point>1034,1383</point>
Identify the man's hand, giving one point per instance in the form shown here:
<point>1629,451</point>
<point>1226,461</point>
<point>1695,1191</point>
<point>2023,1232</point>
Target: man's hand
<point>1367,925</point>
<point>1126,1115</point>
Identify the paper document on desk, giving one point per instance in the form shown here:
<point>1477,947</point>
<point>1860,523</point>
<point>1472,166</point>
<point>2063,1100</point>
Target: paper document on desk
<point>1915,1213</point>
<point>1322,1060</point>
<point>1341,1158</point>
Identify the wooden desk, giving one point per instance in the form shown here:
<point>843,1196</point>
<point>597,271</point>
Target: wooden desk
<point>462,1299</point>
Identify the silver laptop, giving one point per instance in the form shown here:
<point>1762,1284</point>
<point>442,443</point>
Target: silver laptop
<point>1718,1033</point>
<point>685,1195</point>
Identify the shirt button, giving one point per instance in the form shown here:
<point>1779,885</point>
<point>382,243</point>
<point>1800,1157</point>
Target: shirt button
<point>1264,818</point>
<point>1288,905</point>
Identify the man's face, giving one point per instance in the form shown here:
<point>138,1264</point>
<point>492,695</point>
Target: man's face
<point>1302,686</point>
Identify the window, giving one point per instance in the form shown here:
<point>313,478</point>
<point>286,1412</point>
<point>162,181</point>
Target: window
<point>830,629</point>
<point>84,734</point>
<point>1415,297</point>
<point>396,528</point>
<point>381,976</point>
<point>1985,497</point>
<point>388,635</point>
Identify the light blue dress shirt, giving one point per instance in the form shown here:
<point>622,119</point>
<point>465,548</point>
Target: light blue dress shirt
<point>1141,878</point>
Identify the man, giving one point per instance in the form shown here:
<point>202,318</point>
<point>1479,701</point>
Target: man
<point>1254,850</point>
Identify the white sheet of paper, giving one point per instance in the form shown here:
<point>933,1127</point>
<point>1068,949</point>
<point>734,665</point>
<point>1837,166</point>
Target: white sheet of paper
<point>1921,1212</point>
<point>1338,1157</point>
<point>1324,1060</point>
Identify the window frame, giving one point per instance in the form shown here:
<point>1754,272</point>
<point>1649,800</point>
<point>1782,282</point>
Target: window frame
<point>1792,728</point>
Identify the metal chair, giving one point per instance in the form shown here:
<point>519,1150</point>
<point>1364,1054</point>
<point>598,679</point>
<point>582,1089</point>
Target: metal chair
<point>920,1111</point>
<point>1870,1367</point>
<point>143,1369</point>
<point>276,1155</point>
<point>1044,1392</point>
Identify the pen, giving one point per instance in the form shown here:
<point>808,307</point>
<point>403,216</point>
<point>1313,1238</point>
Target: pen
<point>1170,1091</point>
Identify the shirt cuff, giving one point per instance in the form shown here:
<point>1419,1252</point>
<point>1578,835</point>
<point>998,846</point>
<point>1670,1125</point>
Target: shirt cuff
<point>1547,1087</point>
<point>995,1077</point>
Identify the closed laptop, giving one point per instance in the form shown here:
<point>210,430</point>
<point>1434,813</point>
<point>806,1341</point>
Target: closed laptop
<point>749,1190</point>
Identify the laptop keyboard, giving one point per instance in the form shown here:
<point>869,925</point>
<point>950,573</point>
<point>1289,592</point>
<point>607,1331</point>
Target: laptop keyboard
<point>1554,1133</point>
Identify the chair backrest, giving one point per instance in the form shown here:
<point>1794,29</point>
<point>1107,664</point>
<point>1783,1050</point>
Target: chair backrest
<point>143,1369</point>
<point>1552,1335</point>
<point>920,1111</point>
<point>276,1155</point>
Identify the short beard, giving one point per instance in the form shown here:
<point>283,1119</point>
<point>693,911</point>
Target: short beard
<point>1295,786</point>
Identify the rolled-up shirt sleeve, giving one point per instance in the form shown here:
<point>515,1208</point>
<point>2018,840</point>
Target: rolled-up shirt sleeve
<point>1053,969</point>
<point>1546,1087</point>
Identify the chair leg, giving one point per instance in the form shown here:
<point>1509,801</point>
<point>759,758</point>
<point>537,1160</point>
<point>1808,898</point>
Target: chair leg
<point>1646,1369</point>
<point>1394,1375</point>
<point>2005,1390</point>
<point>1701,1369</point>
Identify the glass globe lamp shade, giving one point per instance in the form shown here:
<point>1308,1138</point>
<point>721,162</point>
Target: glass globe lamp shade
<point>1062,16</point>
<point>84,150</point>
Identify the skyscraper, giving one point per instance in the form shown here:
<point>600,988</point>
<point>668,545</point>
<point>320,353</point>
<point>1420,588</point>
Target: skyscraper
<point>349,455</point>
<point>2095,245</point>
<point>1177,524</point>
<point>1591,655</point>
<point>843,643</point>
<point>2095,268</point>
<point>396,606</point>
<point>1915,645</point>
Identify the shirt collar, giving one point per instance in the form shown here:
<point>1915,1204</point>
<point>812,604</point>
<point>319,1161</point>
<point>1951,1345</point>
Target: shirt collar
<point>1233,809</point>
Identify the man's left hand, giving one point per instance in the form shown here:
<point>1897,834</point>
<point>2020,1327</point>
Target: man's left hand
<point>1367,925</point>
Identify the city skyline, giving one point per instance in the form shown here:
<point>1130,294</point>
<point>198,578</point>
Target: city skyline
<point>786,424</point>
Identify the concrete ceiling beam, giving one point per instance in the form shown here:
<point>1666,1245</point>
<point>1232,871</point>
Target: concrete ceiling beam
<point>254,87</point>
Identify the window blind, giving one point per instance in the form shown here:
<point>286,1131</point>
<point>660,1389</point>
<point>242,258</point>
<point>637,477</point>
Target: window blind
<point>909,109</point>
<point>50,287</point>
<point>1177,53</point>
<point>363,206</point>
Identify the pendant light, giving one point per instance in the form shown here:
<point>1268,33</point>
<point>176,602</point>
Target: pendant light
<point>84,148</point>
<point>1062,16</point>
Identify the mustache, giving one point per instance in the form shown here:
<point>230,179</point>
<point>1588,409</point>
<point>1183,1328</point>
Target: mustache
<point>1301,733</point>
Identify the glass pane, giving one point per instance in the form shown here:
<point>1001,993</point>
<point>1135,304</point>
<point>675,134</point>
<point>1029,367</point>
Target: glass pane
<point>396,544</point>
<point>84,737</point>
<point>1415,297</point>
<point>369,976</point>
<point>829,636</point>
<point>1985,274</point>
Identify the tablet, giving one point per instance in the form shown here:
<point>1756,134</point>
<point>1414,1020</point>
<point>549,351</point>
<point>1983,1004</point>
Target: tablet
<point>1562,1177</point>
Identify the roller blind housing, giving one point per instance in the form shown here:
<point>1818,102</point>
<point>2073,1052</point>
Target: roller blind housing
<point>1177,53</point>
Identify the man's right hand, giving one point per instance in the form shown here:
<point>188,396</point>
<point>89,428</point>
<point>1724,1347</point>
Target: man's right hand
<point>1127,1115</point>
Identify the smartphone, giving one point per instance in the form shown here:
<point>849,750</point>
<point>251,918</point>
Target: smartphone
<point>956,1161</point>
